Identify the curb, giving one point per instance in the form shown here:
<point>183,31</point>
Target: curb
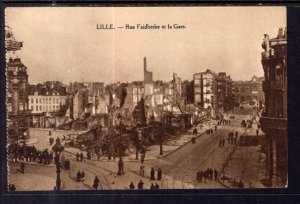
<point>179,147</point>
<point>34,164</point>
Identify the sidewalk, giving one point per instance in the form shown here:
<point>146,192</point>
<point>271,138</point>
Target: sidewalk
<point>246,164</point>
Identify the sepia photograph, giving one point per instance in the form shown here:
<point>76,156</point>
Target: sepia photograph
<point>131,98</point>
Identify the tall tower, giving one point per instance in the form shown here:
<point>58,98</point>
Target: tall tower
<point>148,80</point>
<point>17,85</point>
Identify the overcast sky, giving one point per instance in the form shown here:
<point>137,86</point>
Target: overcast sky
<point>64,44</point>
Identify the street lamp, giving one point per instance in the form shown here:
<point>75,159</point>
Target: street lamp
<point>57,149</point>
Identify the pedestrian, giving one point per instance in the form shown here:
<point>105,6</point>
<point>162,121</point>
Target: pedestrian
<point>236,133</point>
<point>88,155</point>
<point>121,165</point>
<point>77,156</point>
<point>198,176</point>
<point>22,167</point>
<point>141,185</point>
<point>257,132</point>
<point>13,187</point>
<point>156,186</point>
<point>81,156</point>
<point>195,132</point>
<point>240,184</point>
<point>152,186</point>
<point>152,174</point>
<point>96,182</point>
<point>205,175</point>
<point>131,186</point>
<point>216,174</point>
<point>142,170</point>
<point>159,174</point>
<point>211,172</point>
<point>201,176</point>
<point>78,176</point>
<point>82,176</point>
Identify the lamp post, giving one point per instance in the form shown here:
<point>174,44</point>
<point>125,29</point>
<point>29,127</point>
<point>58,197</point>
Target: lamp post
<point>57,149</point>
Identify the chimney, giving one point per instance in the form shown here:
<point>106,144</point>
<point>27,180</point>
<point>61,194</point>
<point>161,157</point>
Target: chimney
<point>145,63</point>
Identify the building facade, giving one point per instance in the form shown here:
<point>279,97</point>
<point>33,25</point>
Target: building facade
<point>248,90</point>
<point>224,94</point>
<point>45,98</point>
<point>274,118</point>
<point>17,97</point>
<point>204,90</point>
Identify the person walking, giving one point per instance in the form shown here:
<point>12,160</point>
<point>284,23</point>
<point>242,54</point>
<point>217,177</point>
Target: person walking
<point>142,170</point>
<point>152,186</point>
<point>152,174</point>
<point>195,132</point>
<point>121,166</point>
<point>216,174</point>
<point>22,167</point>
<point>78,176</point>
<point>131,186</point>
<point>77,156</point>
<point>82,176</point>
<point>96,182</point>
<point>159,174</point>
<point>81,156</point>
<point>141,185</point>
<point>201,176</point>
<point>198,176</point>
<point>13,187</point>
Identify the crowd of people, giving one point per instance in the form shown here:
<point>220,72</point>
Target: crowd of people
<point>30,153</point>
<point>208,174</point>
<point>152,174</point>
<point>223,122</point>
<point>79,157</point>
<point>247,123</point>
<point>232,137</point>
<point>140,185</point>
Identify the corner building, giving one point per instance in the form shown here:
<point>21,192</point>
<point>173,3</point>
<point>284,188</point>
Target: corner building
<point>274,118</point>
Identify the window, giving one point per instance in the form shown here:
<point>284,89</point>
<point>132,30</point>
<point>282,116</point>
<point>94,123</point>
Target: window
<point>37,100</point>
<point>40,100</point>
<point>9,107</point>
<point>32,100</point>
<point>31,108</point>
<point>36,108</point>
